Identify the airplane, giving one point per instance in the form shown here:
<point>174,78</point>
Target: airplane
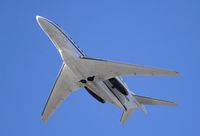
<point>102,79</point>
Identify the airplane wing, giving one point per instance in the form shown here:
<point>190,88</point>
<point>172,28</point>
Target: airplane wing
<point>64,85</point>
<point>104,69</point>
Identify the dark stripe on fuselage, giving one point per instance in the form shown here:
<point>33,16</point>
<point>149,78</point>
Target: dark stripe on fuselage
<point>115,95</point>
<point>92,58</point>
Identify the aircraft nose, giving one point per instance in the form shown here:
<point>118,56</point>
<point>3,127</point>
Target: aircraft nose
<point>40,19</point>
<point>44,23</point>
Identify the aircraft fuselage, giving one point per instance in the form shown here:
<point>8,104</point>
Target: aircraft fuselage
<point>112,90</point>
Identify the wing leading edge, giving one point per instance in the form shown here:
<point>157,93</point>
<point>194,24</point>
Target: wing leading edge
<point>63,87</point>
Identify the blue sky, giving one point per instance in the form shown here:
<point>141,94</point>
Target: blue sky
<point>163,34</point>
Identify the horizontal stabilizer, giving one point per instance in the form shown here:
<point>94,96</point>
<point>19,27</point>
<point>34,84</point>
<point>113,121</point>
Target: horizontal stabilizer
<point>152,101</point>
<point>126,115</point>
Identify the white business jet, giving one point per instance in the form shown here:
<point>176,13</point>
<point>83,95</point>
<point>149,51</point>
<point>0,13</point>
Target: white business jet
<point>101,78</point>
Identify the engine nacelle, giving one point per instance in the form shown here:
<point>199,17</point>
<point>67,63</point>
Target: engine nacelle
<point>118,85</point>
<point>95,96</point>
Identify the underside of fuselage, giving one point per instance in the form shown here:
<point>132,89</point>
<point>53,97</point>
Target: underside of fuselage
<point>111,90</point>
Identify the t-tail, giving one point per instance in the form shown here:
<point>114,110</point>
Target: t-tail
<point>140,102</point>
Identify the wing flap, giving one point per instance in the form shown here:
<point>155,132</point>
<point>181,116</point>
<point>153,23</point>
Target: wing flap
<point>64,85</point>
<point>107,69</point>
